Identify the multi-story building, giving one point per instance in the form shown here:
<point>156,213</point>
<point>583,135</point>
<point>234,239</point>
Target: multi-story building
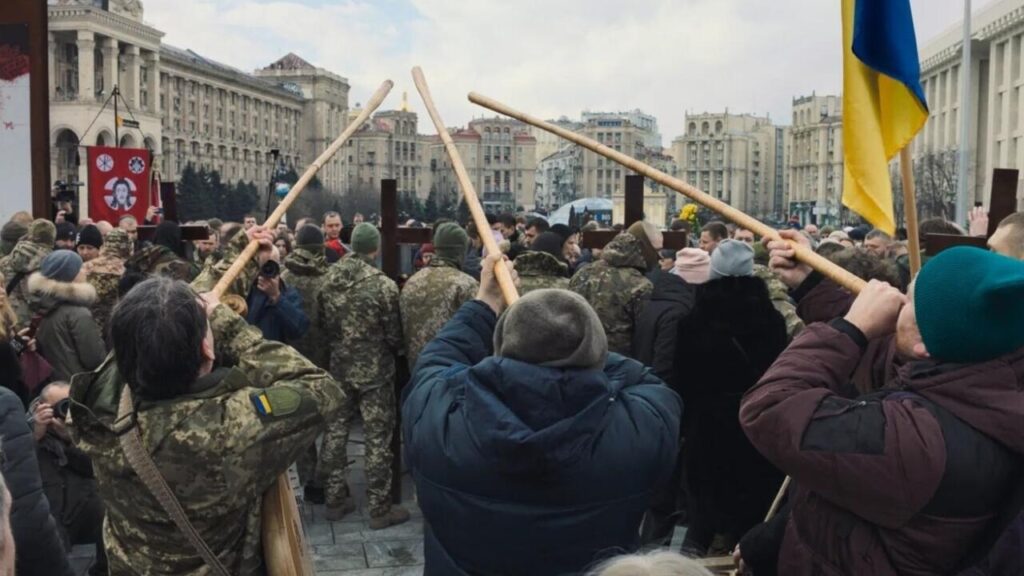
<point>602,177</point>
<point>190,109</point>
<point>816,159</point>
<point>500,158</point>
<point>995,114</point>
<point>646,123</point>
<point>558,178</point>
<point>548,143</point>
<point>388,146</point>
<point>733,157</point>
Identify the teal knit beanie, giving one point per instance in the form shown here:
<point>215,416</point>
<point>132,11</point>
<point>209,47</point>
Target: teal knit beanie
<point>365,239</point>
<point>969,305</point>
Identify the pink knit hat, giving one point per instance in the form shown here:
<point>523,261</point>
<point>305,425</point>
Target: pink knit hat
<point>693,265</point>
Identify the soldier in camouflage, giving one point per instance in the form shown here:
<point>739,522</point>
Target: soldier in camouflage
<point>617,289</point>
<point>432,296</point>
<point>305,268</point>
<point>105,272</point>
<point>542,266</point>
<point>25,259</point>
<point>220,437</point>
<point>358,312</point>
<point>163,256</point>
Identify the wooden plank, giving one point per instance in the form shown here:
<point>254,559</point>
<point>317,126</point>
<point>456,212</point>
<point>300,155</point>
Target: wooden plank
<point>634,199</point>
<point>389,227</point>
<point>1003,199</point>
<point>600,238</point>
<point>146,232</point>
<point>415,236</point>
<point>936,243</point>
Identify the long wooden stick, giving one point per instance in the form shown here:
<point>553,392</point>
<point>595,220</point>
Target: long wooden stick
<point>282,208</point>
<point>910,211</point>
<point>803,253</point>
<point>508,287</point>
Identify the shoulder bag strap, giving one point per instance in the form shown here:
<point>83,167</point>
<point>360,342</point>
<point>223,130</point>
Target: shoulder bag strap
<point>143,465</point>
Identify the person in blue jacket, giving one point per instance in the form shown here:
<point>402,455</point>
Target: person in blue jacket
<point>534,450</point>
<point>276,308</point>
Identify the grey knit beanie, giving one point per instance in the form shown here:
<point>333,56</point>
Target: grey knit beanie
<point>552,328</point>
<point>61,265</point>
<point>732,258</point>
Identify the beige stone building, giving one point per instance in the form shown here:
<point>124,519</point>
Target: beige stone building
<point>815,163</point>
<point>388,146</point>
<point>500,158</point>
<point>733,157</point>
<point>190,109</point>
<point>997,123</point>
<point>602,178</point>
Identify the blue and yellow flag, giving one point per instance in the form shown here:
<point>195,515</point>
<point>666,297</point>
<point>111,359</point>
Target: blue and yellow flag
<point>883,102</point>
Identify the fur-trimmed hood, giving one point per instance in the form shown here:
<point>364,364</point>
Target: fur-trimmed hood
<point>45,294</point>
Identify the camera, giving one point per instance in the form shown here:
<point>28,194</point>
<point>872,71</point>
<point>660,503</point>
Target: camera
<point>61,409</point>
<point>19,344</point>
<point>270,269</point>
<point>65,191</point>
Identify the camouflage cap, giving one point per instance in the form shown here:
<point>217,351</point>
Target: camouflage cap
<point>117,244</point>
<point>43,232</point>
<point>13,231</point>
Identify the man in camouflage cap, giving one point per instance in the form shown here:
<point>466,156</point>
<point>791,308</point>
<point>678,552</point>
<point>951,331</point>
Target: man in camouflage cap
<point>617,289</point>
<point>10,234</point>
<point>165,256</point>
<point>105,272</point>
<point>25,259</point>
<point>432,296</point>
<point>358,312</point>
<point>219,437</point>
<point>542,265</point>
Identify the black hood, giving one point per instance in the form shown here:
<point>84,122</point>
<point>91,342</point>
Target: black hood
<point>668,286</point>
<point>738,305</point>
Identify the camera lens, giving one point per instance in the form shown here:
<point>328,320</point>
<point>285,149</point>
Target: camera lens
<point>62,408</point>
<point>270,269</point>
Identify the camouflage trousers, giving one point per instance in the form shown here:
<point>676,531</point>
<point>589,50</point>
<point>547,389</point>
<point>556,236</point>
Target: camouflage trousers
<point>377,407</point>
<point>306,467</point>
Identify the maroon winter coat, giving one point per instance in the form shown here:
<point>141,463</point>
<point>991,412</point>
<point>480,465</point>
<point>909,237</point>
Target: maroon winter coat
<point>887,484</point>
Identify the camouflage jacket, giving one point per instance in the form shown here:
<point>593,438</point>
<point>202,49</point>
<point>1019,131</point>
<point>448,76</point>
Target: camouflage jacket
<point>161,261</point>
<point>541,270</point>
<point>304,271</point>
<point>212,273</point>
<point>105,272</point>
<point>617,289</point>
<point>219,446</point>
<point>24,260</point>
<point>780,300</point>
<point>358,312</point>
<point>429,299</point>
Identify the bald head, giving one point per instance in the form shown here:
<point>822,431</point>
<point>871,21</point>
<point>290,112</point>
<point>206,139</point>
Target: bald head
<point>1009,237</point>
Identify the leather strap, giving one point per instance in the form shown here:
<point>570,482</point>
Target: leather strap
<point>141,462</point>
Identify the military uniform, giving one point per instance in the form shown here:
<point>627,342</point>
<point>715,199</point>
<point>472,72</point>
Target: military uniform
<point>219,447</point>
<point>358,312</point>
<point>780,300</point>
<point>541,270</point>
<point>429,299</point>
<point>159,260</point>
<point>105,272</point>
<point>617,289</point>
<point>304,270</point>
<point>25,259</point>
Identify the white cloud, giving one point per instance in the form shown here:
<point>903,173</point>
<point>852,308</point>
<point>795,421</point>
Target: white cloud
<point>547,57</point>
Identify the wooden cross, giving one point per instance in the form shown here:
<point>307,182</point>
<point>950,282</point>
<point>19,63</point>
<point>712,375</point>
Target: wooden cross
<point>1002,203</point>
<point>634,213</point>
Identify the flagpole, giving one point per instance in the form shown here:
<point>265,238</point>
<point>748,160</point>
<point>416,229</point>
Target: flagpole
<point>965,119</point>
<point>910,210</point>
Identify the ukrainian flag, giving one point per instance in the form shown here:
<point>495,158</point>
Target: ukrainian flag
<point>883,102</point>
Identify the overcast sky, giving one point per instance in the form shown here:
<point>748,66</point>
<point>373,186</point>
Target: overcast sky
<point>547,57</point>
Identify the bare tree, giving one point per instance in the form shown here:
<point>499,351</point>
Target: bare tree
<point>935,180</point>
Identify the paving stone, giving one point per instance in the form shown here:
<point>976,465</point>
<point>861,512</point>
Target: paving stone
<point>394,553</point>
<point>345,556</point>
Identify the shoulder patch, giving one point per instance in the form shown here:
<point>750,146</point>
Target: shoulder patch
<point>275,402</point>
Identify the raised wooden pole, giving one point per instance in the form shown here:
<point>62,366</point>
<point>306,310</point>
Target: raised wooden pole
<point>803,253</point>
<point>634,200</point>
<point>501,272</point>
<point>910,211</point>
<point>284,551</point>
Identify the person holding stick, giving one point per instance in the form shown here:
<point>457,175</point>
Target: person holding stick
<point>220,436</point>
<point>923,475</point>
<point>534,449</point>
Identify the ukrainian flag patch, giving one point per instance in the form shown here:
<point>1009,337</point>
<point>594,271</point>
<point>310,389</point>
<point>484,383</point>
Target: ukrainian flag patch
<point>262,404</point>
<point>276,402</point>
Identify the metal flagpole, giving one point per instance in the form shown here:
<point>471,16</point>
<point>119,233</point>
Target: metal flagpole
<point>965,120</point>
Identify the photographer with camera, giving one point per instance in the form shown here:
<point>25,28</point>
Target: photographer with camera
<point>67,474</point>
<point>274,307</point>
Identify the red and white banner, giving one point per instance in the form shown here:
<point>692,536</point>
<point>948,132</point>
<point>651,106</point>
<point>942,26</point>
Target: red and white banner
<point>119,183</point>
<point>15,121</point>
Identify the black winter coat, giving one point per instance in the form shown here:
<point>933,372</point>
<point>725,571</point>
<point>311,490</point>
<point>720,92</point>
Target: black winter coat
<point>11,374</point>
<point>729,340</point>
<point>38,546</point>
<point>654,339</point>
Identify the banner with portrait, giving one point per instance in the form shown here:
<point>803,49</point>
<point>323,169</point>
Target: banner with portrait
<point>15,121</point>
<point>119,183</point>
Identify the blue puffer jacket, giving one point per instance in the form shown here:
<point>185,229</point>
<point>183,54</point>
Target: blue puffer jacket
<point>282,322</point>
<point>528,470</point>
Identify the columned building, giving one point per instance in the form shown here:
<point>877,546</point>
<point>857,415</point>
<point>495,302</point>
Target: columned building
<point>816,159</point>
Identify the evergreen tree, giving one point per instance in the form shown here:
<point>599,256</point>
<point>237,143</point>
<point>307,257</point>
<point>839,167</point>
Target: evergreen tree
<point>431,209</point>
<point>462,213</point>
<point>194,195</point>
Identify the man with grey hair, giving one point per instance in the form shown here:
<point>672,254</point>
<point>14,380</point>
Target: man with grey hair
<point>878,242</point>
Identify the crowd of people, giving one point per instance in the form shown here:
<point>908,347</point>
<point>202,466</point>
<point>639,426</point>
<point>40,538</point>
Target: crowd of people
<point>630,390</point>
